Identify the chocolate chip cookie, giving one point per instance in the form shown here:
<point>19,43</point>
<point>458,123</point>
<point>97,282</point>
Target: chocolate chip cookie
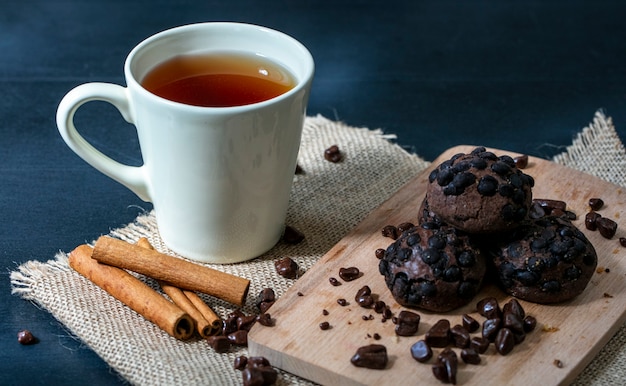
<point>480,192</point>
<point>547,260</point>
<point>433,267</point>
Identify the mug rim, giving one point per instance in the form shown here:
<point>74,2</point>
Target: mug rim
<point>301,82</point>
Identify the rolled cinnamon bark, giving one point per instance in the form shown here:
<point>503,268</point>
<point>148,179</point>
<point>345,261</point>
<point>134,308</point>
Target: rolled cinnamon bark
<point>177,272</point>
<point>208,323</point>
<point>134,293</point>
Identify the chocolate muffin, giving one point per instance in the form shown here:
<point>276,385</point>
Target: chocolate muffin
<point>547,260</point>
<point>480,192</point>
<point>433,267</point>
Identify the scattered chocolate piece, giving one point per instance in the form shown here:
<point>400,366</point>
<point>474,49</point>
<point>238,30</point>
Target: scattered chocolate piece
<point>504,341</point>
<point>324,326</point>
<point>265,299</point>
<point>299,169</point>
<point>286,268</point>
<point>325,312</point>
<point>334,281</point>
<point>342,302</point>
<point>514,307</point>
<point>470,355</point>
<point>390,231</point>
<point>470,323</point>
<point>265,319</point>
<point>349,274</point>
<point>596,203</point>
<point>245,322</point>
<point>373,356</point>
<point>405,226</point>
<point>421,351</point>
<point>292,235</point>
<point>332,154</point>
<point>379,253</point>
<point>591,220</point>
<point>377,336</point>
<point>439,334</point>
<point>550,205</point>
<point>491,328</point>
<point>460,337</point>
<point>513,322</point>
<point>521,162</point>
<point>489,308</point>
<point>259,375</point>
<point>558,363</point>
<point>445,368</point>
<point>239,337</point>
<point>606,227</point>
<point>607,295</point>
<point>219,343</point>
<point>258,362</point>
<point>622,241</point>
<point>26,337</point>
<point>240,362</point>
<point>364,297</point>
<point>407,323</point>
<point>479,344</point>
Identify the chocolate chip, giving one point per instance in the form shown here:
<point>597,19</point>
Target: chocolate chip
<point>26,337</point>
<point>263,307</point>
<point>489,308</point>
<point>373,356</point>
<point>364,297</point>
<point>460,337</point>
<point>239,337</point>
<point>491,328</point>
<point>622,241</point>
<point>332,154</point>
<point>470,324</point>
<point>245,322</point>
<point>342,302</point>
<point>349,274</point>
<point>265,319</point>
<point>379,253</point>
<point>407,323</point>
<point>325,312</point>
<point>487,186</point>
<point>240,362</point>
<point>596,203</point>
<point>513,322</point>
<point>259,375</point>
<point>405,226</point>
<point>606,227</point>
<point>390,231</point>
<point>292,235</point>
<point>479,344</point>
<point>530,322</point>
<point>591,220</point>
<point>334,281</point>
<point>514,307</point>
<point>421,351</point>
<point>471,356</point>
<point>219,343</point>
<point>324,326</point>
<point>445,369</point>
<point>286,268</point>
<point>521,162</point>
<point>439,334</point>
<point>299,169</point>
<point>504,341</point>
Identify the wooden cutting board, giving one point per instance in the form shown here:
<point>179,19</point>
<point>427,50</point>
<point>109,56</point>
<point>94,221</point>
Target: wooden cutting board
<point>572,332</point>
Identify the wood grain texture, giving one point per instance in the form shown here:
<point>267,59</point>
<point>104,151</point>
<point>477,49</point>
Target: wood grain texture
<point>572,332</point>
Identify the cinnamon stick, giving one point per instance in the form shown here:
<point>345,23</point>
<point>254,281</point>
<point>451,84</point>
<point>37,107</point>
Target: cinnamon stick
<point>177,272</point>
<point>134,293</point>
<point>208,323</point>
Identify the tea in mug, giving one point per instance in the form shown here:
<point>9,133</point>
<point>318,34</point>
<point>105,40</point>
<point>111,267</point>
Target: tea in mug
<point>218,79</point>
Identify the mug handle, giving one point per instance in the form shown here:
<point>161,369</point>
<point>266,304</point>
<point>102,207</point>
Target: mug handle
<point>132,177</point>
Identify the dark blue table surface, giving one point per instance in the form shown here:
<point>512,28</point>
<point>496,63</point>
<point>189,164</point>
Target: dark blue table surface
<point>517,75</point>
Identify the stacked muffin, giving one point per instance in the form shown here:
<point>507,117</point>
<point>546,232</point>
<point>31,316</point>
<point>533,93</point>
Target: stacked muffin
<point>476,221</point>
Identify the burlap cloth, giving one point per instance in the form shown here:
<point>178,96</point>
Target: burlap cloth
<point>328,200</point>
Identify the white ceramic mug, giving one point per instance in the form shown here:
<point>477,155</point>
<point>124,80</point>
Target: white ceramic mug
<point>219,177</point>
